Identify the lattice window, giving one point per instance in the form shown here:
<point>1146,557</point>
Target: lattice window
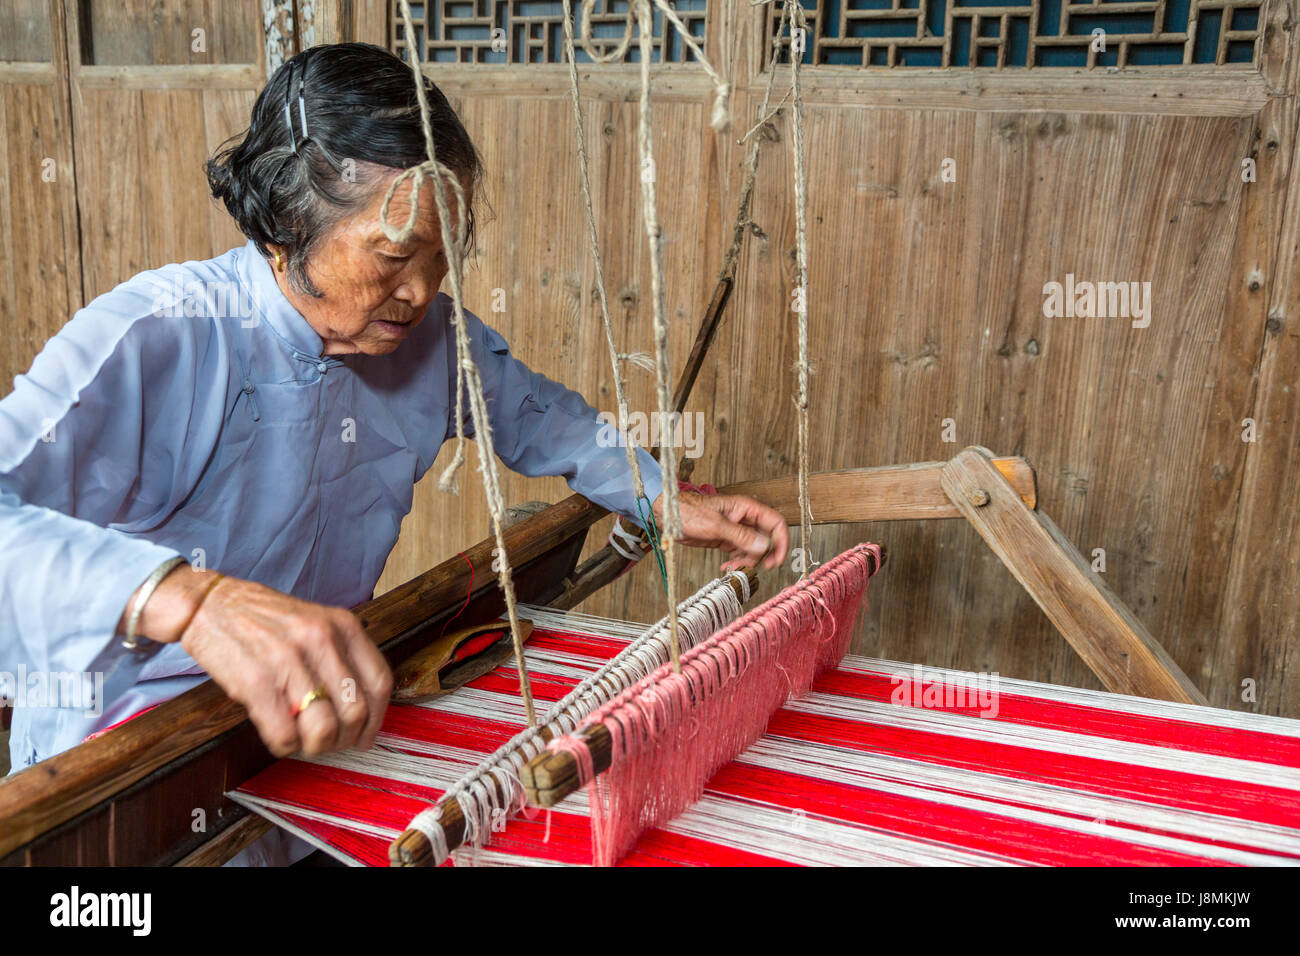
<point>530,31</point>
<point>1038,33</point>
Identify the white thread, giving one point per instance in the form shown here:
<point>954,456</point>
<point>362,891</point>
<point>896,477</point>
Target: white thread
<point>427,822</point>
<point>627,544</point>
<point>708,610</point>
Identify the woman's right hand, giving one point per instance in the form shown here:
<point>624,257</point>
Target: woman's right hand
<point>269,651</point>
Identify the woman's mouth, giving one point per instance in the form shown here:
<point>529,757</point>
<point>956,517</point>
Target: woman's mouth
<point>395,329</point>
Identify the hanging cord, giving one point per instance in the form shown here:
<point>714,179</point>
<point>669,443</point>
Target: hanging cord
<point>721,118</point>
<point>468,378</point>
<point>801,242</point>
<point>671,532</point>
<point>662,541</point>
<point>616,358</point>
<point>744,206</point>
<point>792,12</point>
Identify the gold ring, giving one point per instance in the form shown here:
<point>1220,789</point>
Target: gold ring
<point>308,699</point>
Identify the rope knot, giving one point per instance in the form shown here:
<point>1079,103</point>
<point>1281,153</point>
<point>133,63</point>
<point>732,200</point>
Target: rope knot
<point>721,115</point>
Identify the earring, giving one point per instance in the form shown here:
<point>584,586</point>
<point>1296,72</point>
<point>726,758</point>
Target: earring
<point>279,261</point>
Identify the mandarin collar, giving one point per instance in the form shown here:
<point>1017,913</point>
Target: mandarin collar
<point>285,321</point>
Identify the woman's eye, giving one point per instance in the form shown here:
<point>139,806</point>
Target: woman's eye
<point>392,258</point>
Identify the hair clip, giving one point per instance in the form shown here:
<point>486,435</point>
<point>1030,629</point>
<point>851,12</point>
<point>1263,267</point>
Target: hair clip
<point>288,111</point>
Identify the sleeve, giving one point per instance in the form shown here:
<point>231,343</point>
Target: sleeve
<point>539,427</point>
<point>76,472</point>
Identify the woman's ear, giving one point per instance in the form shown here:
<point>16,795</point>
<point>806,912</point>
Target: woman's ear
<point>277,258</point>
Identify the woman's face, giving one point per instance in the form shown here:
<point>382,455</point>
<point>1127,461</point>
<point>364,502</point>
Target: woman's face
<point>375,291</point>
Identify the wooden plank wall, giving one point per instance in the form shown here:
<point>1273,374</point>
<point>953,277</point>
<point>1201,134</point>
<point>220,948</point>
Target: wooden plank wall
<point>925,305</point>
<point>149,110</point>
<point>40,265</point>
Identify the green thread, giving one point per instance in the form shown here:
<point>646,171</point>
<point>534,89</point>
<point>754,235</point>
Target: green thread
<point>652,532</point>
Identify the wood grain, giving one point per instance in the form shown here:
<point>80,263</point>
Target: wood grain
<point>1105,633</point>
<point>884,493</point>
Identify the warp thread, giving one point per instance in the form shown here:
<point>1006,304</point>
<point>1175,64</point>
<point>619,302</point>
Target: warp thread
<point>730,684</point>
<point>493,787</point>
<point>468,379</point>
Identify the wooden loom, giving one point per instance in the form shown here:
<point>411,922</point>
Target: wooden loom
<point>853,774</point>
<point>1066,777</point>
<point>880,762</point>
<point>129,797</point>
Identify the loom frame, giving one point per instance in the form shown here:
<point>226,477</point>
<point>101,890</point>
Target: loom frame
<point>128,796</point>
<point>999,497</point>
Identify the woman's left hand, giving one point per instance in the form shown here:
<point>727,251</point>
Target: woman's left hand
<point>749,532</point>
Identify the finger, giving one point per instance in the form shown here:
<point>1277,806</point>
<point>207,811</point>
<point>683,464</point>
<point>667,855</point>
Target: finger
<point>744,542</point>
<point>278,730</point>
<point>746,511</point>
<point>780,541</point>
<point>253,678</point>
<point>735,560</point>
<point>374,674</point>
<point>328,658</point>
<point>317,721</point>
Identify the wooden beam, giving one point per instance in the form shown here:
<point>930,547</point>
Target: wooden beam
<point>241,834</point>
<point>615,82</point>
<point>370,18</point>
<point>703,339</point>
<point>185,76</point>
<point>33,74</point>
<point>888,493</point>
<point>1105,633</point>
<point>550,777</point>
<point>526,540</point>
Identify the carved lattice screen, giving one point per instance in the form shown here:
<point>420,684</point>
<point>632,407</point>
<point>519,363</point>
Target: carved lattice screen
<point>528,31</point>
<point>1040,33</point>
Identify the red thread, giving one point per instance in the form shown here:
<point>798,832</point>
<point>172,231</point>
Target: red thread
<point>698,489</point>
<point>993,827</point>
<point>100,733</point>
<point>468,595</point>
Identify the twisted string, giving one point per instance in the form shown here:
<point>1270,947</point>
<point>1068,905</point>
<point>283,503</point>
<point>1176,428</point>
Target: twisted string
<point>468,379</point>
<point>662,541</point>
<point>792,12</point>
<point>620,380</point>
<point>721,117</point>
<point>672,523</point>
<point>802,367</point>
<point>744,206</point>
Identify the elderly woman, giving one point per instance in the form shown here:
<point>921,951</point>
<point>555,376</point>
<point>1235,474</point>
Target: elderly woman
<point>209,463</point>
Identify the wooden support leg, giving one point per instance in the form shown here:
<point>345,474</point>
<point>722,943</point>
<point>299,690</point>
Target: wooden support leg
<point>1106,634</point>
